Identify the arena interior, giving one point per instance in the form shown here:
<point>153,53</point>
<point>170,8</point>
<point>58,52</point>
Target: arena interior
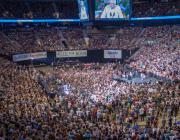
<point>89,69</point>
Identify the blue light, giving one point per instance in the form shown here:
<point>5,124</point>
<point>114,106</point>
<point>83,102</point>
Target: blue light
<point>142,18</point>
<point>156,18</point>
<point>78,20</point>
<point>37,20</point>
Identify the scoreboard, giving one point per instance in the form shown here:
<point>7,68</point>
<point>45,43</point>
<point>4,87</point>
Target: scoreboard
<point>112,9</point>
<point>105,9</point>
<point>83,10</point>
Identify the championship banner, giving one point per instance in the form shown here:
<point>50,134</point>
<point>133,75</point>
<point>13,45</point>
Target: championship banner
<point>66,54</point>
<point>29,56</point>
<point>116,54</point>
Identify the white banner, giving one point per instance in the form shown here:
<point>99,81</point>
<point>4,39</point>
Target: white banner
<point>65,54</point>
<point>39,55</point>
<point>29,56</point>
<point>117,54</point>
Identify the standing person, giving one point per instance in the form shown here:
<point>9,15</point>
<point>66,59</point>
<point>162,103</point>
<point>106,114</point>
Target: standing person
<point>163,122</point>
<point>170,122</point>
<point>141,112</point>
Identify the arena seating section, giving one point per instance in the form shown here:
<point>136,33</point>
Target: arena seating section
<point>38,10</point>
<point>62,9</point>
<point>83,101</point>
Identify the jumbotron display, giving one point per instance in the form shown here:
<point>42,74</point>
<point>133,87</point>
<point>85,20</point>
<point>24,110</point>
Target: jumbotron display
<point>83,10</point>
<point>112,9</point>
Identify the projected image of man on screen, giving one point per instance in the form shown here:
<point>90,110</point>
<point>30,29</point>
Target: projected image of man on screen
<point>112,10</point>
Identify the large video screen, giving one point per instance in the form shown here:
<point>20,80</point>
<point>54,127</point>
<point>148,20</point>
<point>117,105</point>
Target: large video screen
<point>112,9</point>
<point>83,9</point>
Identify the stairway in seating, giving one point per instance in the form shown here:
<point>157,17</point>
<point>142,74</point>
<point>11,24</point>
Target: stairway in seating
<point>138,38</point>
<point>86,38</point>
<point>63,40</point>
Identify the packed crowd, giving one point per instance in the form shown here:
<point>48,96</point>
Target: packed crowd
<point>146,9</point>
<point>52,39</point>
<point>161,54</point>
<point>59,9</point>
<point>34,40</point>
<point>83,101</point>
<point>95,106</point>
<point>41,9</point>
<point>122,39</point>
<point>155,43</point>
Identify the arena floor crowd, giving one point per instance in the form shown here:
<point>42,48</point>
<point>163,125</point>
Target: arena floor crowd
<point>95,106</point>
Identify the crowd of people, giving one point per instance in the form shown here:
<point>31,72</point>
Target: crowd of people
<point>52,39</point>
<point>95,106</point>
<point>146,9</point>
<point>40,9</point>
<point>158,46</point>
<point>122,39</point>
<point>84,101</point>
<point>161,54</point>
<point>61,9</point>
<point>34,40</point>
